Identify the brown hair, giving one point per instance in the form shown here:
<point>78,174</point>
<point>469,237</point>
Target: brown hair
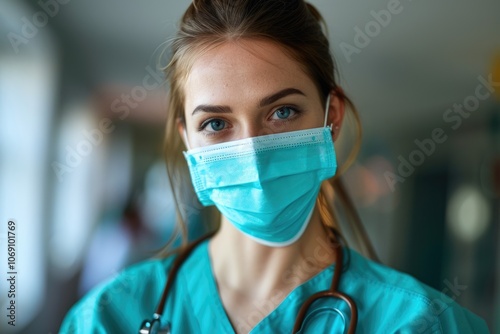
<point>298,28</point>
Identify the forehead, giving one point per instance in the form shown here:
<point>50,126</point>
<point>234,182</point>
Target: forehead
<point>245,69</point>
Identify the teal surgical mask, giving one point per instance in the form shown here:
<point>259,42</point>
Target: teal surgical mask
<point>266,186</point>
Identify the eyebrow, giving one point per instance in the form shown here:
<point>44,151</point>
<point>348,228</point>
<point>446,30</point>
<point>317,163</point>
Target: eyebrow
<point>263,102</point>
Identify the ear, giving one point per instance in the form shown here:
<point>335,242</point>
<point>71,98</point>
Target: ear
<point>181,127</point>
<point>336,111</point>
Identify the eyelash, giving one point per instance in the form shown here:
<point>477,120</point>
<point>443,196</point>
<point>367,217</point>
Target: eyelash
<point>296,111</point>
<point>204,124</point>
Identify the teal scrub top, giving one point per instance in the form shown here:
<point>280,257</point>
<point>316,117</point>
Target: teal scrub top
<point>387,301</point>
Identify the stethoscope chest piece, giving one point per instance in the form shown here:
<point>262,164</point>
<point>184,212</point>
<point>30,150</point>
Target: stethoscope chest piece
<point>154,327</point>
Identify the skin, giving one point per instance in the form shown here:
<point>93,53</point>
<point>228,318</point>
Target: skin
<point>236,76</point>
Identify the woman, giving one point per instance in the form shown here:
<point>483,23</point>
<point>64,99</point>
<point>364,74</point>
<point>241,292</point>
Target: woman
<point>254,111</point>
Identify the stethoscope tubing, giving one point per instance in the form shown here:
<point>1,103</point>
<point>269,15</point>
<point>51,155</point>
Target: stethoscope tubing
<point>332,292</point>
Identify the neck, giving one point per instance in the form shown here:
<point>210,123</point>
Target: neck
<point>246,267</point>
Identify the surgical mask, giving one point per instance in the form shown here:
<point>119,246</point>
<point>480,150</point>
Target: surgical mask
<point>266,186</point>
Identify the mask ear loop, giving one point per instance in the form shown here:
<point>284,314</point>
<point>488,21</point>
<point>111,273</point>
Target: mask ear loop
<point>186,141</point>
<point>327,109</point>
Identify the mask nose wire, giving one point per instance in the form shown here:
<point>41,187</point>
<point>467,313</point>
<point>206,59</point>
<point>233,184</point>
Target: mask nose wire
<point>327,108</point>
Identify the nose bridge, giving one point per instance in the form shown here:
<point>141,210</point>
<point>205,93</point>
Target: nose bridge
<point>253,128</point>
<point>260,130</point>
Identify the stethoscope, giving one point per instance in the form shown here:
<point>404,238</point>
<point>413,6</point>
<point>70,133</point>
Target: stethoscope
<point>155,325</point>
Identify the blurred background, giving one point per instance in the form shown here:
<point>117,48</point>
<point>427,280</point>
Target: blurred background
<point>82,111</point>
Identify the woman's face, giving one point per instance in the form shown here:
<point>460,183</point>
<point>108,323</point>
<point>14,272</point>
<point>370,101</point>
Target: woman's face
<point>247,89</point>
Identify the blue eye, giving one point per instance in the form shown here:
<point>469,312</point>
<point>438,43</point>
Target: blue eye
<point>284,112</point>
<point>217,124</point>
